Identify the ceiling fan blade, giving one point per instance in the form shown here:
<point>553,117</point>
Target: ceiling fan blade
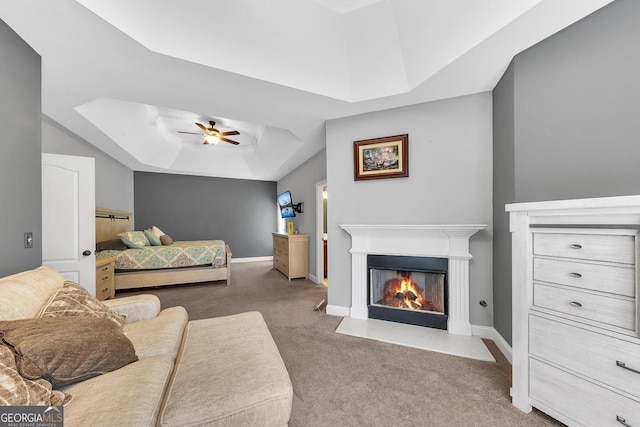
<point>201,126</point>
<point>232,132</point>
<point>190,133</point>
<point>229,141</point>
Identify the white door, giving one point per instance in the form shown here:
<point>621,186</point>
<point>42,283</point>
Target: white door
<point>68,217</point>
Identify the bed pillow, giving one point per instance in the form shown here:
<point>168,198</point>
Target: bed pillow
<point>153,239</point>
<point>111,245</point>
<point>155,230</point>
<point>134,239</point>
<point>19,391</point>
<point>72,300</point>
<point>66,350</point>
<point>166,239</point>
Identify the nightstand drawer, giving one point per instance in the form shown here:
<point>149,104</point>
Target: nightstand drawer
<point>600,308</point>
<point>597,247</point>
<point>588,353</point>
<point>105,278</point>
<point>605,278</point>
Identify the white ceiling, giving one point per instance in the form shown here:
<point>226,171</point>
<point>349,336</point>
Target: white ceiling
<point>126,75</point>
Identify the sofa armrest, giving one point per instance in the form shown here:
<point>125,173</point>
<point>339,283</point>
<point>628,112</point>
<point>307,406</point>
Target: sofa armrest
<point>136,308</point>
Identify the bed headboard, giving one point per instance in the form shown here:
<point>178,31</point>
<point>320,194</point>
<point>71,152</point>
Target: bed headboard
<point>109,223</point>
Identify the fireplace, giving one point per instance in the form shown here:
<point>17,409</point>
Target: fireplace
<point>449,242</point>
<point>408,289</point>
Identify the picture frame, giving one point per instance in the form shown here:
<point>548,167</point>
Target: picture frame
<point>381,158</point>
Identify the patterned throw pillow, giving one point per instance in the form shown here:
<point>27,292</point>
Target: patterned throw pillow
<point>134,239</point>
<point>74,300</point>
<point>18,391</point>
<point>66,350</point>
<point>153,239</point>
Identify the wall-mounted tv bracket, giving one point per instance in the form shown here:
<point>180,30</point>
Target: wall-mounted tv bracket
<point>298,207</point>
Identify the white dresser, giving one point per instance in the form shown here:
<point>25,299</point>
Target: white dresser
<point>576,342</point>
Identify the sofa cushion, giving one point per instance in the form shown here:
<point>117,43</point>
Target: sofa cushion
<point>74,300</point>
<point>64,350</point>
<point>18,391</point>
<point>246,385</point>
<point>161,335</point>
<point>130,396</point>
<point>23,294</point>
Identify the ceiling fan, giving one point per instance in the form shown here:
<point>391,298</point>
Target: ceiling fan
<point>212,135</point>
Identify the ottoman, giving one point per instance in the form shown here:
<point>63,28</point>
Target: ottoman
<point>228,373</point>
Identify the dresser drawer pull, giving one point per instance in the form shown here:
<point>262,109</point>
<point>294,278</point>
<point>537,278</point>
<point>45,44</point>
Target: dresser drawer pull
<point>105,289</point>
<point>622,421</point>
<point>575,304</point>
<point>575,275</point>
<point>624,366</point>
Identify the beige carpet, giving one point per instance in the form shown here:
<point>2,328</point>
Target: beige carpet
<point>340,380</point>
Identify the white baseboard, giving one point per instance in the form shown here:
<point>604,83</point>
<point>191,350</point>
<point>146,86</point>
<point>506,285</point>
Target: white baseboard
<point>251,259</point>
<point>314,279</point>
<point>490,333</point>
<point>336,310</point>
<point>503,345</point>
<point>483,331</point>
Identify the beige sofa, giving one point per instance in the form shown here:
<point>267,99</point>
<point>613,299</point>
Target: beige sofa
<point>222,371</point>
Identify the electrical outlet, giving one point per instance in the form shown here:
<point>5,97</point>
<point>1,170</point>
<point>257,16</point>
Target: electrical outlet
<point>28,239</point>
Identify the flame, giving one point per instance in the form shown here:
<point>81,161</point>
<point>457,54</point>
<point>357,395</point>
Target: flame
<point>405,287</point>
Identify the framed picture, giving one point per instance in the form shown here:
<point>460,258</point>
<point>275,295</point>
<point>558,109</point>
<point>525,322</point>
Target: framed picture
<point>379,158</point>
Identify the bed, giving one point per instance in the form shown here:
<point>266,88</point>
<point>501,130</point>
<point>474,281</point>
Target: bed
<point>178,263</point>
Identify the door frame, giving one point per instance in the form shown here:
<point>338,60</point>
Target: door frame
<point>319,232</point>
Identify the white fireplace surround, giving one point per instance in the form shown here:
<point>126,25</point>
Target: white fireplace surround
<point>440,241</point>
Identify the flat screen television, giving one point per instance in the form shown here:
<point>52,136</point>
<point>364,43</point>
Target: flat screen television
<point>286,205</point>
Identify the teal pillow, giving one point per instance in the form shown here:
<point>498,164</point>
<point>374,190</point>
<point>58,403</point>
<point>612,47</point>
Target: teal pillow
<point>153,239</point>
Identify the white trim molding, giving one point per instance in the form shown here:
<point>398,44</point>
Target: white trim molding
<point>251,259</point>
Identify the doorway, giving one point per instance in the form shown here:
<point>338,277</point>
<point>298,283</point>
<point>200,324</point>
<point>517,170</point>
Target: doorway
<point>322,262</point>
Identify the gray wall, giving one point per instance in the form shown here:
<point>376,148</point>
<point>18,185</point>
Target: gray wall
<point>240,212</point>
<point>302,183</point>
<point>503,193</point>
<point>573,106</point>
<point>450,157</point>
<point>20,159</point>
<point>114,181</point>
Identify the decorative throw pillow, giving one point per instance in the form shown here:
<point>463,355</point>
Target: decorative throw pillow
<point>156,231</point>
<point>18,391</point>
<point>66,350</point>
<point>134,239</point>
<point>166,239</point>
<point>74,300</point>
<point>111,245</point>
<point>153,239</point>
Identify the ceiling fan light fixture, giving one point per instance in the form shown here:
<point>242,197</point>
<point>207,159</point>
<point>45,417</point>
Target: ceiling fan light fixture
<point>211,139</point>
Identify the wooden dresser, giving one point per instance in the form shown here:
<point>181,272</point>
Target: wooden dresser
<point>291,255</point>
<point>576,345</point>
<point>105,278</point>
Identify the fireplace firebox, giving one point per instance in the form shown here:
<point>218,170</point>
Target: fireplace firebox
<point>408,289</point>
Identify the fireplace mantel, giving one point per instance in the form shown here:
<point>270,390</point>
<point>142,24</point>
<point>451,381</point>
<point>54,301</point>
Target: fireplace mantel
<point>443,241</point>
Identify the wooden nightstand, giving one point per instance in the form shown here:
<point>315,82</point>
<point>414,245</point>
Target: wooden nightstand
<point>105,283</point>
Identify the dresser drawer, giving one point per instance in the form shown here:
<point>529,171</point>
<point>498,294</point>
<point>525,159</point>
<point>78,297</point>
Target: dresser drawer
<point>605,278</point>
<point>588,353</point>
<point>598,247</point>
<point>582,401</point>
<point>600,308</point>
